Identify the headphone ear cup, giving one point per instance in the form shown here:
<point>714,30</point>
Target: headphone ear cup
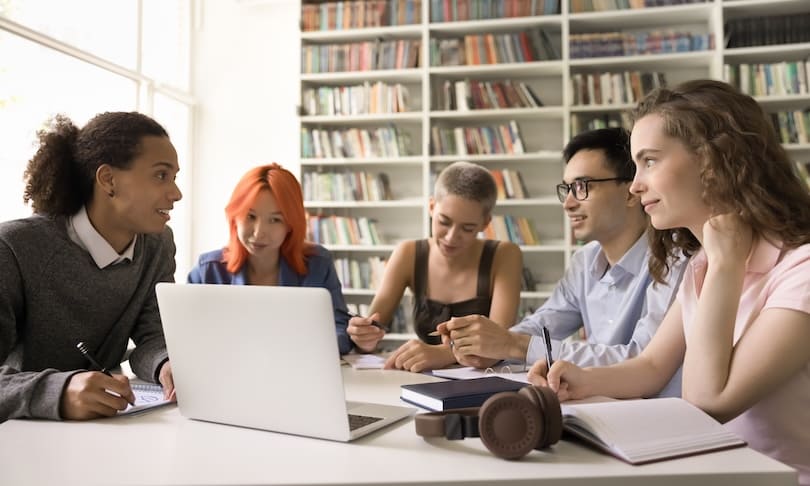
<point>510,425</point>
<point>548,405</point>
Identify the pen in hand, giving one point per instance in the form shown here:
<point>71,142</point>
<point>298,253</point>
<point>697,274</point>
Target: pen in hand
<point>373,321</point>
<point>547,339</point>
<point>83,349</point>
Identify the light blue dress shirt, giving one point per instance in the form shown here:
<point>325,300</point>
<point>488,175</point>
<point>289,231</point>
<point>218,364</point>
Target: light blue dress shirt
<point>620,308</point>
<point>320,273</point>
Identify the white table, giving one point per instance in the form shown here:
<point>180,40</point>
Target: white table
<point>164,448</point>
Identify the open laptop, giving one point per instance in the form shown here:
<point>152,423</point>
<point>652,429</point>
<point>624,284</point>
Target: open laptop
<point>264,357</point>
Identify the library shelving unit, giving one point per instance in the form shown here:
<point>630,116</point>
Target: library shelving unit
<point>588,68</point>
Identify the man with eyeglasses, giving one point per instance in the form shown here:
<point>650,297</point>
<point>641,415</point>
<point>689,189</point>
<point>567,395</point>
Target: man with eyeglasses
<point>607,290</point>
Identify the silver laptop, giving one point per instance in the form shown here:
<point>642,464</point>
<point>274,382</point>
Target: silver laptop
<point>263,357</point>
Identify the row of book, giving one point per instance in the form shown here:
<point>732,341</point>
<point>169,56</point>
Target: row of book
<point>461,10</point>
<point>367,274</point>
<point>358,14</point>
<point>781,78</point>
<point>583,123</point>
<point>768,30</point>
<point>578,6</point>
<point>613,88</point>
<point>465,95</point>
<point>517,229</point>
<point>510,184</point>
<point>792,126</point>
<point>360,56</point>
<point>360,274</point>
<point>342,230</point>
<point>603,44</point>
<point>346,186</point>
<point>354,142</point>
<point>491,139</point>
<point>362,99</point>
<point>526,46</point>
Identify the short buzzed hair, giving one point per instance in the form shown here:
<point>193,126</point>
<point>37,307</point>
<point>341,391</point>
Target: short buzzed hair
<point>467,180</point>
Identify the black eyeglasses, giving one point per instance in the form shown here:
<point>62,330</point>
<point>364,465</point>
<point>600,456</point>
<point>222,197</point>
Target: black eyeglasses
<point>580,187</point>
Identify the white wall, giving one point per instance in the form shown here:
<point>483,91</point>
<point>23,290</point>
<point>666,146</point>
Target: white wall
<point>245,69</point>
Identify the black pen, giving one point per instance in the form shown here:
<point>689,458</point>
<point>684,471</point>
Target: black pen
<point>547,339</point>
<point>373,321</point>
<point>83,349</point>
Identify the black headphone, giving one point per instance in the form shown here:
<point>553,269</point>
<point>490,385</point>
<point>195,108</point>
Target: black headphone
<point>510,424</point>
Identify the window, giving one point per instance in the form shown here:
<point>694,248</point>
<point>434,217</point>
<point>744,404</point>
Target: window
<point>84,57</point>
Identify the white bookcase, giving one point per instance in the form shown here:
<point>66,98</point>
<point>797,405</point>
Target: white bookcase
<point>544,130</point>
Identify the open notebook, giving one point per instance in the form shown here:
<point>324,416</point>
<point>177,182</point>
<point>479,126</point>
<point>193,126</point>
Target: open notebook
<point>147,396</point>
<point>641,431</point>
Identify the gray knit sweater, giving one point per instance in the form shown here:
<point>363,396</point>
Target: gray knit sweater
<point>53,295</point>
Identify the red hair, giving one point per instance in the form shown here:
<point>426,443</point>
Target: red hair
<point>287,191</point>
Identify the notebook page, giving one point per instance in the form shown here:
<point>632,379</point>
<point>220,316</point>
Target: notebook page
<point>365,361</point>
<point>468,372</point>
<point>643,430</point>
<point>147,396</point>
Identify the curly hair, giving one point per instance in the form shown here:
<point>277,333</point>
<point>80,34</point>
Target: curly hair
<point>470,181</point>
<point>287,191</point>
<point>743,167</point>
<point>59,179</point>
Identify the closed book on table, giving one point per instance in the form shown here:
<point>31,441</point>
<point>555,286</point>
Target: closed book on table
<point>444,395</point>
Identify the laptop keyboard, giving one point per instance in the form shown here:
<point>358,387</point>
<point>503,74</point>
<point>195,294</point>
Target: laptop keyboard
<point>357,421</point>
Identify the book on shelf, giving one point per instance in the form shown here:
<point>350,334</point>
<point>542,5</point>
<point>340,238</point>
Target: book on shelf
<point>767,30</point>
<point>346,186</point>
<point>356,14</point>
<point>613,44</point>
<point>579,6</point>
<point>647,430</point>
<point>493,48</point>
<point>360,274</point>
<point>341,230</point>
<point>516,229</point>
<point>503,138</point>
<point>445,395</point>
<point>462,10</point>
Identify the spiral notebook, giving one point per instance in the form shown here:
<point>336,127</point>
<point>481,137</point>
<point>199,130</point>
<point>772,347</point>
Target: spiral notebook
<point>147,396</point>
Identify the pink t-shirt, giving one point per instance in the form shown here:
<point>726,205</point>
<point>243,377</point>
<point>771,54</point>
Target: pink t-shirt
<point>779,425</point>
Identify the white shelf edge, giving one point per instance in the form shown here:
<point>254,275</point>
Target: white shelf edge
<point>411,160</point>
<point>415,116</point>
<point>401,203</point>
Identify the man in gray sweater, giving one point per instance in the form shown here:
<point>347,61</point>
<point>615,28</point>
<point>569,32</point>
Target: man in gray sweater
<point>84,269</point>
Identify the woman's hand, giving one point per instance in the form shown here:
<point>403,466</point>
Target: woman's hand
<point>364,334</point>
<point>418,356</point>
<point>569,381</point>
<point>727,240</point>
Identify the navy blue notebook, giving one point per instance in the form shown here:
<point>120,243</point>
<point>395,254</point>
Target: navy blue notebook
<point>444,395</point>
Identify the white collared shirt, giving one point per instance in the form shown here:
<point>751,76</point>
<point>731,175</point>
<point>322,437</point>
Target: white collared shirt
<point>82,232</point>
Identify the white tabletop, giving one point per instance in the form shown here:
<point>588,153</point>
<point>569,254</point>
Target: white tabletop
<point>164,448</point>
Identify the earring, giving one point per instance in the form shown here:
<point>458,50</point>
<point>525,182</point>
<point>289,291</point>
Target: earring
<point>111,193</point>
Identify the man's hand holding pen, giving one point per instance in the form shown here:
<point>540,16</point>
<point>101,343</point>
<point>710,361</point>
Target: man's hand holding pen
<point>475,340</point>
<point>93,394</point>
<point>366,332</point>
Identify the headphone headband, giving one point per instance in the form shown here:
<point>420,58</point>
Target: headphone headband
<point>454,425</point>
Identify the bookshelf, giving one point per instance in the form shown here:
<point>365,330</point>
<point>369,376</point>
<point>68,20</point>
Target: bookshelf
<point>632,50</point>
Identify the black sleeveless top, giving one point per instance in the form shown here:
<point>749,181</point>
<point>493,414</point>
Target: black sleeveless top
<point>427,314</point>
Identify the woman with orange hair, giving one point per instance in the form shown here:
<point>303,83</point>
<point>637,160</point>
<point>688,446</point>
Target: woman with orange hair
<point>267,223</point>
